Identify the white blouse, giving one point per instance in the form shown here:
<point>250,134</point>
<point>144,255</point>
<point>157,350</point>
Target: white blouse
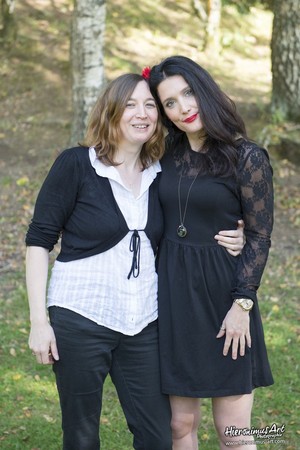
<point>97,287</point>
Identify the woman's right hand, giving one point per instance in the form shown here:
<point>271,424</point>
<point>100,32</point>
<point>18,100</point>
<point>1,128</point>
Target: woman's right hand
<point>233,240</point>
<point>42,340</point>
<point>42,343</point>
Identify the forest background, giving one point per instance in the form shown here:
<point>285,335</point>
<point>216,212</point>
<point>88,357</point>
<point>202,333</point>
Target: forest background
<point>35,123</point>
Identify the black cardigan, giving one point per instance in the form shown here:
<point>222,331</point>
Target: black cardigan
<point>79,204</point>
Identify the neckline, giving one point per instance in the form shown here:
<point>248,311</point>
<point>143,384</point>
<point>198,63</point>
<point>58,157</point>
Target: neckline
<point>111,173</point>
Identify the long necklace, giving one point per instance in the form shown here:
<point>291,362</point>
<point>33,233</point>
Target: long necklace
<point>181,230</point>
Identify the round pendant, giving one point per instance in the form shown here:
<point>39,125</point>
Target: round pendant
<point>181,231</point>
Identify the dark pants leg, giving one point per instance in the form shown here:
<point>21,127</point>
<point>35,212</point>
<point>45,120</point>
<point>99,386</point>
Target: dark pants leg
<point>136,375</point>
<point>85,352</point>
<point>88,352</point>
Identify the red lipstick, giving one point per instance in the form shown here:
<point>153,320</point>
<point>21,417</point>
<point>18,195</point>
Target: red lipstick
<point>191,118</point>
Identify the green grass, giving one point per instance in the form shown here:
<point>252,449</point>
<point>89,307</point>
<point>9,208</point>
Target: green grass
<point>29,408</point>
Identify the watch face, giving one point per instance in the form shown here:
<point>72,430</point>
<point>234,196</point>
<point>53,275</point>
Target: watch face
<point>245,303</point>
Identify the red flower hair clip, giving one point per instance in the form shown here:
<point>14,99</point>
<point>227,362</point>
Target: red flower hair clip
<point>146,72</point>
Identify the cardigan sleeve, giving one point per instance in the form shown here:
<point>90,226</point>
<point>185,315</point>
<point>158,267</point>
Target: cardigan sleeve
<point>256,193</point>
<point>55,201</point>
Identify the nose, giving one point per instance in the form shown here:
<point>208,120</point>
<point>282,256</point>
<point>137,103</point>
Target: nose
<point>141,112</point>
<point>185,107</point>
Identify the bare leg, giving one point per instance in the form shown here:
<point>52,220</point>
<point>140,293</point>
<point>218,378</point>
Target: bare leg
<point>186,417</point>
<point>233,413</point>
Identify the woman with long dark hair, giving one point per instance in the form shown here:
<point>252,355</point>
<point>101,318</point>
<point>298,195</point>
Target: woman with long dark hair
<point>210,330</point>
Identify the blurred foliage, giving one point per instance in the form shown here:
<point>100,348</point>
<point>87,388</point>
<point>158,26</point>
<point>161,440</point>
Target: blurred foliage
<point>244,6</point>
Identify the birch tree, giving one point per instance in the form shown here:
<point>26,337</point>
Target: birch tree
<point>8,32</point>
<point>88,26</point>
<point>285,48</point>
<point>210,15</point>
<point>212,31</point>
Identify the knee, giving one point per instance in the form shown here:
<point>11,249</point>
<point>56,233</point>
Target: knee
<point>163,444</point>
<point>154,442</point>
<point>225,428</point>
<point>150,439</point>
<point>183,426</point>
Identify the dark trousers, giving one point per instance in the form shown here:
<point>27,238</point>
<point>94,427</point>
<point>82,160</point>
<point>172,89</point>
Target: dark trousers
<point>88,352</point>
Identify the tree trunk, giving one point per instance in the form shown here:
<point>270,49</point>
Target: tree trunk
<point>285,48</point>
<point>8,32</point>
<point>199,10</point>
<point>88,27</point>
<point>212,31</point>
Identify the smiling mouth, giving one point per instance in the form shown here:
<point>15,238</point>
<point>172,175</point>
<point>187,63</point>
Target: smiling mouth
<point>140,127</point>
<point>191,118</point>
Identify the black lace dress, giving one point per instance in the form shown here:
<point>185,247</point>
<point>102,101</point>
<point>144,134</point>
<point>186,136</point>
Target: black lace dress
<point>198,279</point>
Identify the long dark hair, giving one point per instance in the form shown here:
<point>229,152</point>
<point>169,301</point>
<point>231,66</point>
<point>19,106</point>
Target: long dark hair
<point>221,121</point>
<point>103,130</point>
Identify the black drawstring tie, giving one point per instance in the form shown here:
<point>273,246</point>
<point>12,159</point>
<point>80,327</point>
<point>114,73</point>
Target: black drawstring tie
<point>135,247</point>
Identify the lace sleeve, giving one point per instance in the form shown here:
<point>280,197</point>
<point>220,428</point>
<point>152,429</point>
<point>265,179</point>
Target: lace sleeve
<point>256,193</point>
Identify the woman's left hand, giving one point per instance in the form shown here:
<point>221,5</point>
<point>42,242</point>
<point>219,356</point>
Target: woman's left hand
<point>236,326</point>
<point>232,240</point>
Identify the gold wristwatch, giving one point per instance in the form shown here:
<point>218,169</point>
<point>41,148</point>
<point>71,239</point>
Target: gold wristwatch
<point>244,303</point>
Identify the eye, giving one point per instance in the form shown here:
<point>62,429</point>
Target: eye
<point>189,92</point>
<point>130,105</point>
<point>170,104</point>
<point>150,105</point>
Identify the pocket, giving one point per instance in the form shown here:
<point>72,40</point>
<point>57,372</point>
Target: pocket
<point>52,311</point>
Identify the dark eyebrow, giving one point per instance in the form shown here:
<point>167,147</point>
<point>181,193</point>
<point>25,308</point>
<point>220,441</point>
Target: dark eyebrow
<point>181,92</point>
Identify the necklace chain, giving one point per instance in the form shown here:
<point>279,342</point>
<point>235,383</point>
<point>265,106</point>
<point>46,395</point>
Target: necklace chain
<point>181,230</point>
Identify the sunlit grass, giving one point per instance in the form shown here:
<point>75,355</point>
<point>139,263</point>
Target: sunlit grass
<point>29,408</point>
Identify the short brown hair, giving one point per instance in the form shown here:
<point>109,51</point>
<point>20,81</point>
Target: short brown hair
<point>103,130</point>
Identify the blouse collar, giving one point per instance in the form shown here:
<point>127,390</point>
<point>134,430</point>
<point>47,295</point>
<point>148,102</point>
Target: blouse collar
<point>110,172</point>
